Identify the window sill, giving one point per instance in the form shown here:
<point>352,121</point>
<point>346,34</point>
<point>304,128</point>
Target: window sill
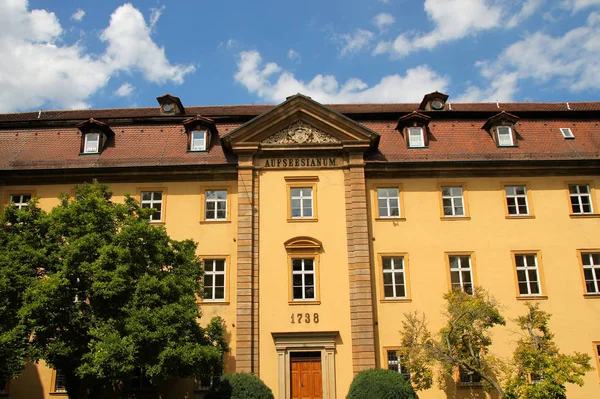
<point>158,222</point>
<point>197,151</point>
<point>85,153</point>
<point>520,217</point>
<point>532,298</point>
<point>455,218</point>
<point>396,300</point>
<point>469,386</point>
<point>584,215</point>
<point>591,296</point>
<point>217,221</point>
<point>203,302</point>
<point>304,303</point>
<point>301,220</point>
<point>394,219</point>
<point>418,148</point>
<point>58,393</point>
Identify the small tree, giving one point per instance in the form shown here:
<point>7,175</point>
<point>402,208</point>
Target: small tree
<point>416,350</point>
<point>540,371</point>
<point>240,386</point>
<point>111,294</point>
<point>380,384</point>
<point>465,340</point>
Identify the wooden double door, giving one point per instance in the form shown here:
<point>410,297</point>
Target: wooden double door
<point>307,379</point>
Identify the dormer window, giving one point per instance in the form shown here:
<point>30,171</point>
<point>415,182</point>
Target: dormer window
<point>414,129</point>
<point>170,105</point>
<point>198,140</point>
<point>91,143</point>
<point>94,136</point>
<point>567,133</point>
<point>502,129</point>
<point>415,137</point>
<point>435,101</point>
<point>504,136</point>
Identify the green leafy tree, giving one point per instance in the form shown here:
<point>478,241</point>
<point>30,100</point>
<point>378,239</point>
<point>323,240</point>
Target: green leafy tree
<point>465,339</point>
<point>416,353</point>
<point>113,295</point>
<point>21,235</point>
<point>540,371</point>
<point>380,384</point>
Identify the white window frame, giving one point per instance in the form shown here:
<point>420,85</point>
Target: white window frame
<point>507,132</point>
<point>470,383</point>
<point>21,201</point>
<point>214,203</point>
<point>301,198</point>
<point>413,141</point>
<point>594,269</point>
<point>202,139</point>
<point>389,202</point>
<point>87,142</point>
<point>577,197</point>
<point>303,272</point>
<point>213,274</point>
<point>567,133</point>
<point>460,270</point>
<point>519,200</point>
<point>151,204</point>
<point>526,268</point>
<point>397,266</point>
<point>394,363</point>
<point>59,375</point>
<point>453,199</point>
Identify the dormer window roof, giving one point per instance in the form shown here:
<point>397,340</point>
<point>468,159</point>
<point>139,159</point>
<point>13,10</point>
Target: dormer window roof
<point>435,101</point>
<point>413,127</point>
<point>94,136</point>
<point>502,129</point>
<point>199,130</point>
<point>170,105</point>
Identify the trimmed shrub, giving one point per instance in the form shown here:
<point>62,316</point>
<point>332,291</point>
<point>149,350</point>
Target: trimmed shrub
<point>380,384</point>
<point>240,386</point>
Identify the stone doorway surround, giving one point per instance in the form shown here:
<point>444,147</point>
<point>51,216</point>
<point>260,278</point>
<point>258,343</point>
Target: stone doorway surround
<point>322,341</point>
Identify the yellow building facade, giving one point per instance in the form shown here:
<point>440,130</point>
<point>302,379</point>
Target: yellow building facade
<point>320,226</point>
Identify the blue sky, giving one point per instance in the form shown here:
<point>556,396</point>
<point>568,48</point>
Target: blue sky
<point>105,54</point>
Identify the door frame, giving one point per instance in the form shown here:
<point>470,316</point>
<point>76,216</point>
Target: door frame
<point>323,342</point>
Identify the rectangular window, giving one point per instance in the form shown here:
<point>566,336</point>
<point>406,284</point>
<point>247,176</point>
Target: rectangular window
<point>205,383</point>
<point>301,202</point>
<point>516,200</point>
<point>453,202</point>
<point>59,381</point>
<point>469,378</point>
<point>394,277</point>
<point>535,378</point>
<point>19,200</point>
<point>388,202</point>
<point>198,140</point>
<point>591,271</point>
<point>415,137</point>
<point>3,386</point>
<point>303,279</point>
<point>581,199</point>
<point>395,364</point>
<point>215,205</point>
<point>597,355</point>
<point>153,199</point>
<point>140,381</point>
<point>528,276</point>
<point>567,133</point>
<point>505,138</point>
<point>92,143</point>
<point>214,279</point>
<point>461,273</point>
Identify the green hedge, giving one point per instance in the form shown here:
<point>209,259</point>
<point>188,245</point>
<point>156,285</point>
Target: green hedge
<point>380,384</point>
<point>239,386</point>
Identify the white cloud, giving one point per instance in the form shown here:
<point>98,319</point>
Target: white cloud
<point>38,70</point>
<point>578,5</point>
<point>125,90</point>
<point>271,83</point>
<point>155,14</point>
<point>383,20</point>
<point>294,55</point>
<point>353,42</point>
<point>78,15</point>
<point>502,89</point>
<point>457,19</point>
<point>570,61</point>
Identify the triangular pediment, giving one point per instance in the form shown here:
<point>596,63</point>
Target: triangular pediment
<point>300,123</point>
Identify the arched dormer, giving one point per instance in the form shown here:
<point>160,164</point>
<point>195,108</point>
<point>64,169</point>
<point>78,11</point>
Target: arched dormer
<point>94,136</point>
<point>435,101</point>
<point>170,105</point>
<point>199,131</point>
<point>502,129</point>
<point>414,129</point>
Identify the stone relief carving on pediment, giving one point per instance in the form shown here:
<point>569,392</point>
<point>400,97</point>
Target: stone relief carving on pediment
<point>300,133</point>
